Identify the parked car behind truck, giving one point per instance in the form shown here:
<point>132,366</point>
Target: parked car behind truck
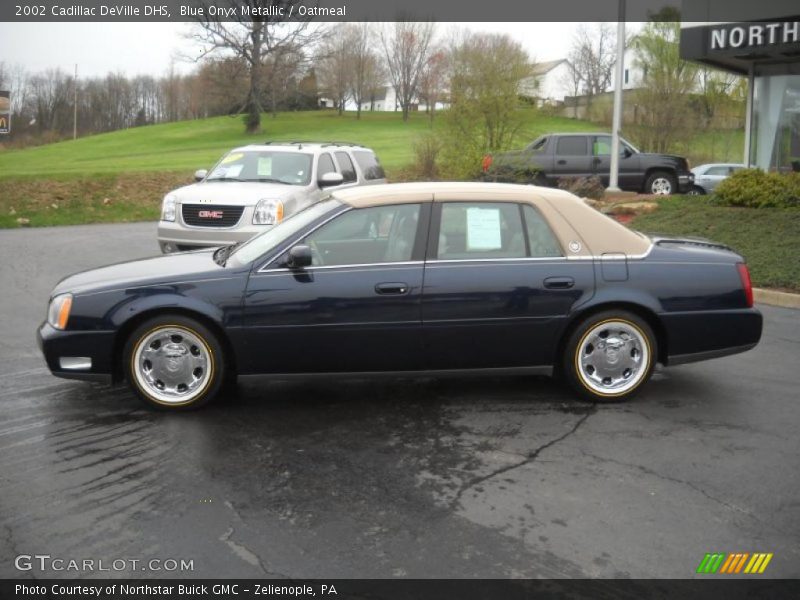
<point>708,177</point>
<point>255,187</point>
<point>558,156</point>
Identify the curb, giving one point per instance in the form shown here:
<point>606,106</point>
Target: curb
<point>774,298</point>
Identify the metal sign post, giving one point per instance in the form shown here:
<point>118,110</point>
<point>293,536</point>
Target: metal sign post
<point>613,179</point>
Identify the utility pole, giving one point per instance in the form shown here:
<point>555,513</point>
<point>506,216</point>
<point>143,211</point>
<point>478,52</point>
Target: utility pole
<point>75,104</point>
<point>613,179</point>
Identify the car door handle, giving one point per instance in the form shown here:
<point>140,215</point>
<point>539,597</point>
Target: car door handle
<point>562,162</point>
<point>559,283</point>
<point>597,160</point>
<point>386,289</point>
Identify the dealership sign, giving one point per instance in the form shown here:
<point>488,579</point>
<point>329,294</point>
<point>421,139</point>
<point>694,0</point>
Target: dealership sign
<point>5,112</point>
<point>746,36</point>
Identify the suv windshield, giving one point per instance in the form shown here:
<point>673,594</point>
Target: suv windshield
<point>293,168</point>
<point>275,236</point>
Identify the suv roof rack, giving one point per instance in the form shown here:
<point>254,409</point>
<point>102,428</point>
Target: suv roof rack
<point>301,142</point>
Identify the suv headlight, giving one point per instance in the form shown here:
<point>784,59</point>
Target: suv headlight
<point>58,311</point>
<point>168,208</point>
<point>268,212</point>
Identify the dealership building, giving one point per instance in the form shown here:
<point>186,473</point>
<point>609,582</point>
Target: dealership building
<point>764,46</point>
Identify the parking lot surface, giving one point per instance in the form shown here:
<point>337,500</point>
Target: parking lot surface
<point>401,477</point>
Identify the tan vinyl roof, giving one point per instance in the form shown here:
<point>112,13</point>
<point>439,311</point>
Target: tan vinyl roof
<point>582,230</point>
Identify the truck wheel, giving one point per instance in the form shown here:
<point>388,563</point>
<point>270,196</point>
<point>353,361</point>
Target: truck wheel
<point>661,183</point>
<point>174,363</point>
<point>609,356</point>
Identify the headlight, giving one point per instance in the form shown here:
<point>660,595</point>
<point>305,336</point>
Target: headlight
<point>268,212</point>
<point>168,208</point>
<point>58,312</point>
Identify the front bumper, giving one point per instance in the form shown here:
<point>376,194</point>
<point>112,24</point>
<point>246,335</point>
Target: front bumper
<point>86,355</point>
<point>685,182</point>
<point>174,236</point>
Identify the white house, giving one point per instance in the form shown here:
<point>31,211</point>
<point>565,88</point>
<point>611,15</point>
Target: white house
<point>632,74</point>
<point>549,82</point>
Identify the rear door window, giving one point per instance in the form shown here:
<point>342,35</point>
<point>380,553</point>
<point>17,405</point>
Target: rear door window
<point>573,145</point>
<point>346,166</point>
<point>475,230</point>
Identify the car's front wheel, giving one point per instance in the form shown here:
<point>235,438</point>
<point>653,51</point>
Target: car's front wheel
<point>696,190</point>
<point>661,183</point>
<point>610,355</point>
<point>174,363</point>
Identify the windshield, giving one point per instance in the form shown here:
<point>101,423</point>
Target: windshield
<point>275,236</point>
<point>292,168</point>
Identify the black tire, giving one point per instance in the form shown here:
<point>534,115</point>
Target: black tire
<point>198,338</point>
<point>576,349</point>
<point>659,180</point>
<point>696,191</point>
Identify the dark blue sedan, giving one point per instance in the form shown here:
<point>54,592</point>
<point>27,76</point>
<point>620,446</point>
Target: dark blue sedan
<point>434,278</point>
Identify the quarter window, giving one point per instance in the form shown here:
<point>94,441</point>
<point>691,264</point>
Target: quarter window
<point>369,164</point>
<point>366,236</point>
<point>346,165</point>
<point>481,230</point>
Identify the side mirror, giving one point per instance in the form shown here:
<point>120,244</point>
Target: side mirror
<point>200,174</point>
<point>626,152</point>
<point>330,179</point>
<point>299,257</point>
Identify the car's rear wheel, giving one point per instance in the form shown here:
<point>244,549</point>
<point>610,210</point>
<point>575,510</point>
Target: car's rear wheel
<point>174,363</point>
<point>661,183</point>
<point>610,355</point>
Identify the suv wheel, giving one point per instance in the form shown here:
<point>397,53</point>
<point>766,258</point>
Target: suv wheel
<point>174,363</point>
<point>661,183</point>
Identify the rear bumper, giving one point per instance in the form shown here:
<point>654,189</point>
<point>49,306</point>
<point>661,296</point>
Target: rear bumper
<point>697,336</point>
<point>85,355</point>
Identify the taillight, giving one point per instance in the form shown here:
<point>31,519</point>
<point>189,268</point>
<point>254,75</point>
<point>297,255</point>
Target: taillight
<point>744,275</point>
<point>486,162</point>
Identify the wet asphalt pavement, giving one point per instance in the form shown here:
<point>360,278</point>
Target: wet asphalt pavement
<point>418,478</point>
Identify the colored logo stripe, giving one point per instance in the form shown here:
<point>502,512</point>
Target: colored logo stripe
<point>734,563</point>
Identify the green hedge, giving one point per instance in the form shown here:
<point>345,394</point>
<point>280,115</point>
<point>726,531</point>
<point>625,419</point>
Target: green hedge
<point>753,188</point>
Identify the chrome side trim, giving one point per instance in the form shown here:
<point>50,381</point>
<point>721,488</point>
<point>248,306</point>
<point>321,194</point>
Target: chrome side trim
<point>493,371</point>
<point>358,265</point>
<point>75,363</point>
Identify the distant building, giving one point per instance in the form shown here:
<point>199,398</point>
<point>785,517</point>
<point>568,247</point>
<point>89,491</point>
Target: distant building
<point>548,84</point>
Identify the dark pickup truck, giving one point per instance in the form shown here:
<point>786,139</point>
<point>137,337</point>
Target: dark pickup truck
<point>558,156</point>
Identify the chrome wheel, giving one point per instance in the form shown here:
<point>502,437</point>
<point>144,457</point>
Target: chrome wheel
<point>172,364</point>
<point>613,357</point>
<point>661,186</point>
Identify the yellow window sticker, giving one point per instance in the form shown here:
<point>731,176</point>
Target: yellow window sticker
<point>232,158</point>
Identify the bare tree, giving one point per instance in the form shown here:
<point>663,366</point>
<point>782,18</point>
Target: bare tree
<point>432,80</point>
<point>334,65</point>
<point>592,57</point>
<point>257,40</point>
<point>406,45</point>
<point>367,68</point>
<point>572,80</point>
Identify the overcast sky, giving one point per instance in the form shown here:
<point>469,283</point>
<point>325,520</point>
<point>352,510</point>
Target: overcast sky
<point>148,48</point>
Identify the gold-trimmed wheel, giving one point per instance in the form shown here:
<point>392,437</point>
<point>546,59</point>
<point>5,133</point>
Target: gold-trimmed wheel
<point>610,356</point>
<point>174,363</point>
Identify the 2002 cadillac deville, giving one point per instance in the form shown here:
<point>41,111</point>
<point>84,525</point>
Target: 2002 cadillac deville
<point>431,277</point>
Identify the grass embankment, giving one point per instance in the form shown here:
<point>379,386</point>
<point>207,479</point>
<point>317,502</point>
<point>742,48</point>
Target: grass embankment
<point>766,237</point>
<point>134,168</point>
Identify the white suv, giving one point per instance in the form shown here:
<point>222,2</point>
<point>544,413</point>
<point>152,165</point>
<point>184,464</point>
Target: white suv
<point>254,187</point>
